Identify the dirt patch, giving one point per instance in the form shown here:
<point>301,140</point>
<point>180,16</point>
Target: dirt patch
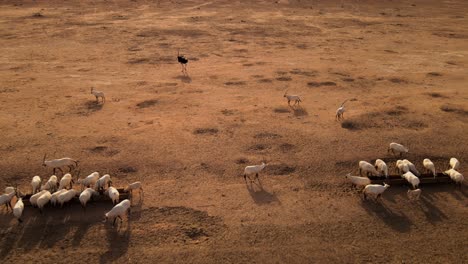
<point>286,147</point>
<point>450,35</point>
<point>397,80</point>
<point>393,118</point>
<point>303,72</point>
<point>235,83</point>
<point>265,80</point>
<point>127,169</point>
<point>259,147</point>
<point>147,103</point>
<point>279,169</point>
<point>319,84</point>
<point>284,79</point>
<point>434,74</point>
<point>454,109</point>
<point>206,131</point>
<point>104,150</point>
<point>9,90</point>
<point>228,112</point>
<point>348,79</point>
<point>241,161</point>
<point>436,95</point>
<point>268,135</point>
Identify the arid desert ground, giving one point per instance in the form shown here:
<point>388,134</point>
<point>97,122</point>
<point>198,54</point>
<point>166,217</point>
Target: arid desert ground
<point>402,65</point>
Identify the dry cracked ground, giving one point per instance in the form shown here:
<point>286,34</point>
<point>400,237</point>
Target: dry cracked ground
<point>400,64</point>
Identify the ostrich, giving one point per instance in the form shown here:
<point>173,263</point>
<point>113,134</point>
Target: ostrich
<point>183,62</point>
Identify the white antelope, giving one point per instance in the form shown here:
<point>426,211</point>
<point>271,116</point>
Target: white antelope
<point>294,98</point>
<point>98,94</point>
<point>60,163</point>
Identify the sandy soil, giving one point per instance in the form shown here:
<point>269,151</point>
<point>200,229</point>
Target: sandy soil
<point>188,138</point>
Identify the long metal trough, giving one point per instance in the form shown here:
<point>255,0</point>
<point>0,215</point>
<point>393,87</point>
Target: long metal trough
<point>424,179</point>
<point>101,198</point>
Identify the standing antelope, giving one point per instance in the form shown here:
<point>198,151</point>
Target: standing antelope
<point>98,94</point>
<point>60,163</point>
<point>340,111</point>
<point>290,98</point>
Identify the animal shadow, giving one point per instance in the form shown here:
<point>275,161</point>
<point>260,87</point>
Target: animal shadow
<point>259,194</point>
<point>299,111</point>
<point>93,106</point>
<point>184,78</point>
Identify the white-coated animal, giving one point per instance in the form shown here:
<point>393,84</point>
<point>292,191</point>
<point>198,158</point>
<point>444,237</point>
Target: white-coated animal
<point>102,182</point>
<point>18,209</point>
<point>358,181</point>
<point>340,111</point>
<point>454,163</point>
<point>5,199</point>
<point>412,179</point>
<point>66,181</point>
<point>367,168</point>
<point>381,167</point>
<point>375,190</point>
<point>456,176</point>
<point>113,194</point>
<point>66,197</point>
<point>396,148</point>
<point>34,197</point>
<point>89,180</point>
<point>51,185</point>
<point>60,163</point>
<point>36,184</point>
<point>429,165</point>
<point>43,200</point>
<point>294,98</point>
<point>412,167</point>
<point>402,167</point>
<point>134,186</point>
<point>53,199</point>
<point>86,195</point>
<point>118,211</point>
<point>254,169</point>
<point>98,94</point>
<point>414,195</point>
<point>9,189</point>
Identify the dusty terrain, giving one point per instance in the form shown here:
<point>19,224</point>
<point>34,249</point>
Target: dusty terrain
<point>188,138</point>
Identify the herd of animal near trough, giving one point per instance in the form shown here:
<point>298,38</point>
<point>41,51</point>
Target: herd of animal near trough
<point>56,192</point>
<point>60,192</point>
